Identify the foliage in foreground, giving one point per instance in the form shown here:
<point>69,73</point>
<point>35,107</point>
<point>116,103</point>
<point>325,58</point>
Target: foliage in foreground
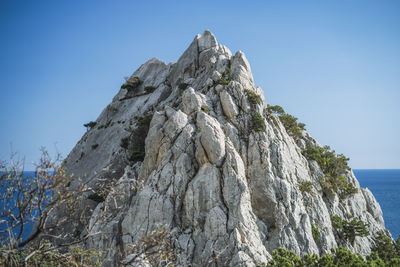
<point>26,202</point>
<point>340,257</point>
<point>46,255</point>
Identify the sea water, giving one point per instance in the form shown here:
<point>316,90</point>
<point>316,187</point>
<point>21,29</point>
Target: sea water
<point>385,185</point>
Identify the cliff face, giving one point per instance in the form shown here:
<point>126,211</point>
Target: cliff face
<point>220,174</point>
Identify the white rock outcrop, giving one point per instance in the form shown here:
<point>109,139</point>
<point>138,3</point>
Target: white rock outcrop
<point>227,195</point>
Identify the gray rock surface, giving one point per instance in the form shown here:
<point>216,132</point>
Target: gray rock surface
<point>227,195</point>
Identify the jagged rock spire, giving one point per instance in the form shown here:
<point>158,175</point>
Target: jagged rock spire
<point>228,192</point>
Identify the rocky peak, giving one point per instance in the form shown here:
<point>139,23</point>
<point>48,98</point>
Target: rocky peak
<point>191,147</point>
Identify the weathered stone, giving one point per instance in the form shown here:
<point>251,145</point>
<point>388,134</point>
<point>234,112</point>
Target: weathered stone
<point>216,186</point>
<point>228,105</point>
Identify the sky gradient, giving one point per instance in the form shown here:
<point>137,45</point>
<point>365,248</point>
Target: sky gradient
<point>333,64</point>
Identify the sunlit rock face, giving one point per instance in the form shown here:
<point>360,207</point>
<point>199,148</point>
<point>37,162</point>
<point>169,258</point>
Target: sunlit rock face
<point>227,194</point>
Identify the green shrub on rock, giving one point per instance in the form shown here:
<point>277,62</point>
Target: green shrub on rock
<point>131,84</point>
<point>253,98</point>
<point>292,127</point>
<point>315,233</point>
<point>135,142</point>
<point>349,229</point>
<point>334,167</point>
<point>339,257</point>
<point>226,77</point>
<point>205,109</point>
<point>385,248</point>
<point>90,125</point>
<point>306,186</point>
<point>257,122</point>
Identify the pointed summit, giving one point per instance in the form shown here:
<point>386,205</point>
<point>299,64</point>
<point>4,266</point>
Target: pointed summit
<point>189,154</point>
<point>206,41</point>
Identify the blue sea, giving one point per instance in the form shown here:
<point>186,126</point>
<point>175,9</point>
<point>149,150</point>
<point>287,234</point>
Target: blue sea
<point>385,185</point>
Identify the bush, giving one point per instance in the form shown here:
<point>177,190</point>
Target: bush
<point>135,142</point>
<point>315,233</point>
<point>95,146</point>
<point>334,167</point>
<point>253,98</point>
<point>384,246</point>
<point>354,228</point>
<point>339,257</point>
<point>336,222</point>
<point>205,109</point>
<point>257,122</point>
<point>149,89</point>
<point>131,83</point>
<point>226,77</point>
<point>306,187</point>
<point>349,229</point>
<point>292,127</point>
<point>90,125</point>
<point>277,110</point>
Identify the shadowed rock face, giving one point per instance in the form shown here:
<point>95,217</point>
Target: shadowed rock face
<point>227,194</point>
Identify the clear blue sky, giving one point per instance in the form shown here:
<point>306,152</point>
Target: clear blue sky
<point>333,64</point>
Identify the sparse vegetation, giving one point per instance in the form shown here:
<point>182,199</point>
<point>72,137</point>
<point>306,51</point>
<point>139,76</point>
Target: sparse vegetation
<point>292,127</point>
<point>277,110</point>
<point>29,200</point>
<point>306,186</point>
<point>205,109</point>
<point>339,257</point>
<point>131,84</point>
<point>253,98</point>
<point>386,249</point>
<point>349,229</point>
<point>90,125</point>
<point>156,246</point>
<point>135,142</point>
<point>95,146</point>
<point>225,77</point>
<point>257,122</point>
<point>315,233</point>
<point>334,168</point>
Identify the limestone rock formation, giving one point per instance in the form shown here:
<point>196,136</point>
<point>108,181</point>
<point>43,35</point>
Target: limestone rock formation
<point>228,193</point>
